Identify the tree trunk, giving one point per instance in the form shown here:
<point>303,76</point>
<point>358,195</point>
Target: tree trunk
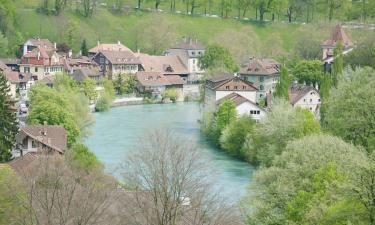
<point>261,14</point>
<point>273,17</point>
<point>330,15</point>
<point>289,13</point>
<point>139,5</point>
<point>244,12</point>
<point>157,3</point>
<point>256,13</point>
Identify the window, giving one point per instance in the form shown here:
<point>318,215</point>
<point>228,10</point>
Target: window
<point>251,112</point>
<point>36,69</point>
<point>33,144</point>
<point>304,100</point>
<point>319,100</point>
<point>227,87</point>
<point>261,87</point>
<point>193,61</point>
<point>258,112</point>
<point>26,70</point>
<point>244,87</point>
<point>310,100</point>
<point>261,79</point>
<point>101,60</point>
<point>235,87</point>
<point>310,108</point>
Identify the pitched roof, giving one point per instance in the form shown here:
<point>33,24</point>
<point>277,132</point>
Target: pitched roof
<point>83,73</point>
<point>11,76</point>
<point>157,79</point>
<point>3,66</point>
<point>236,98</point>
<point>338,35</point>
<point>217,82</point>
<point>43,53</point>
<point>53,136</point>
<point>41,43</point>
<point>263,66</point>
<point>189,44</point>
<point>121,57</point>
<point>7,61</point>
<point>81,61</point>
<point>171,64</point>
<point>297,91</point>
<point>109,47</point>
<point>48,79</point>
<point>22,163</point>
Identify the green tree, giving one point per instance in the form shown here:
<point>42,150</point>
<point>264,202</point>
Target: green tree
<point>216,56</point>
<point>282,87</point>
<point>282,124</point>
<point>338,64</point>
<point>234,135</point>
<point>171,93</point>
<point>3,45</point>
<point>362,55</point>
<point>125,84</point>
<point>84,49</point>
<point>225,114</point>
<point>312,177</point>
<point>8,123</point>
<point>83,159</point>
<point>308,71</point>
<point>88,87</point>
<point>350,111</point>
<point>12,204</point>
<point>54,114</point>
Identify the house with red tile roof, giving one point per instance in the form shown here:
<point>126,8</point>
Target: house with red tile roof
<point>42,62</point>
<point>263,73</point>
<point>34,43</point>
<point>41,139</point>
<point>338,36</point>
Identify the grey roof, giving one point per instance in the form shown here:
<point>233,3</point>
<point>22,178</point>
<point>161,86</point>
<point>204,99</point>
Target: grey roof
<point>83,73</point>
<point>121,57</point>
<point>297,91</point>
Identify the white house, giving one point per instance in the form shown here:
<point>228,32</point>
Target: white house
<point>189,52</point>
<point>223,85</point>
<point>305,97</point>
<point>245,106</point>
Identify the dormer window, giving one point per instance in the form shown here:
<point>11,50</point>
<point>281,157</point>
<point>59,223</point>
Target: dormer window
<point>244,87</point>
<point>227,87</point>
<point>235,87</point>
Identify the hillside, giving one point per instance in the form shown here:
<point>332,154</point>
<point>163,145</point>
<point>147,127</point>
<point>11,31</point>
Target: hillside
<point>153,32</point>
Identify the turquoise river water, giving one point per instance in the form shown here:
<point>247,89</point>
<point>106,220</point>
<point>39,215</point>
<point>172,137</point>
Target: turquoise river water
<point>117,131</point>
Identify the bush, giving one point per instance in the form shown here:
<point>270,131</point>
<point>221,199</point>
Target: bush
<point>234,135</point>
<point>172,94</point>
<point>103,103</point>
<point>83,158</point>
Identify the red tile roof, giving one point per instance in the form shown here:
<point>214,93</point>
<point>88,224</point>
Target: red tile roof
<point>158,79</point>
<point>338,35</point>
<point>264,67</point>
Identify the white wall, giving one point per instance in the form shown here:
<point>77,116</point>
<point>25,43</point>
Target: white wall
<point>310,102</point>
<point>246,107</point>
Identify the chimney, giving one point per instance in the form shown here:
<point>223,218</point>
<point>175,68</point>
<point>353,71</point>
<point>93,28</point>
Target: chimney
<point>38,54</point>
<point>55,45</point>
<point>98,43</point>
<point>317,86</point>
<point>118,42</point>
<point>70,53</point>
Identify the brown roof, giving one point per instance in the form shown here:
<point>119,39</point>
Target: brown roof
<point>109,47</point>
<point>81,61</point>
<point>84,72</point>
<point>44,53</point>
<point>7,61</point>
<point>264,67</point>
<point>217,83</point>
<point>22,163</point>
<point>189,44</point>
<point>53,136</point>
<point>41,43</point>
<point>171,64</point>
<point>297,91</point>
<point>121,57</point>
<point>338,35</point>
<point>48,79</point>
<point>157,79</point>
<point>11,76</point>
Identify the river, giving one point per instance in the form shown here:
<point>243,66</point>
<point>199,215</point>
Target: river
<point>117,131</point>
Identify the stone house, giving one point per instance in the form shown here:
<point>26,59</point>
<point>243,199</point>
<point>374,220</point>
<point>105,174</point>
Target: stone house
<point>189,51</point>
<point>223,85</point>
<point>263,73</point>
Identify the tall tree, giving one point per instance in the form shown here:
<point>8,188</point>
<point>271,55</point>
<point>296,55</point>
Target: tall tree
<point>338,63</point>
<point>282,87</point>
<point>224,116</point>
<point>350,110</point>
<point>88,7</point>
<point>218,56</point>
<point>84,49</point>
<point>8,123</point>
